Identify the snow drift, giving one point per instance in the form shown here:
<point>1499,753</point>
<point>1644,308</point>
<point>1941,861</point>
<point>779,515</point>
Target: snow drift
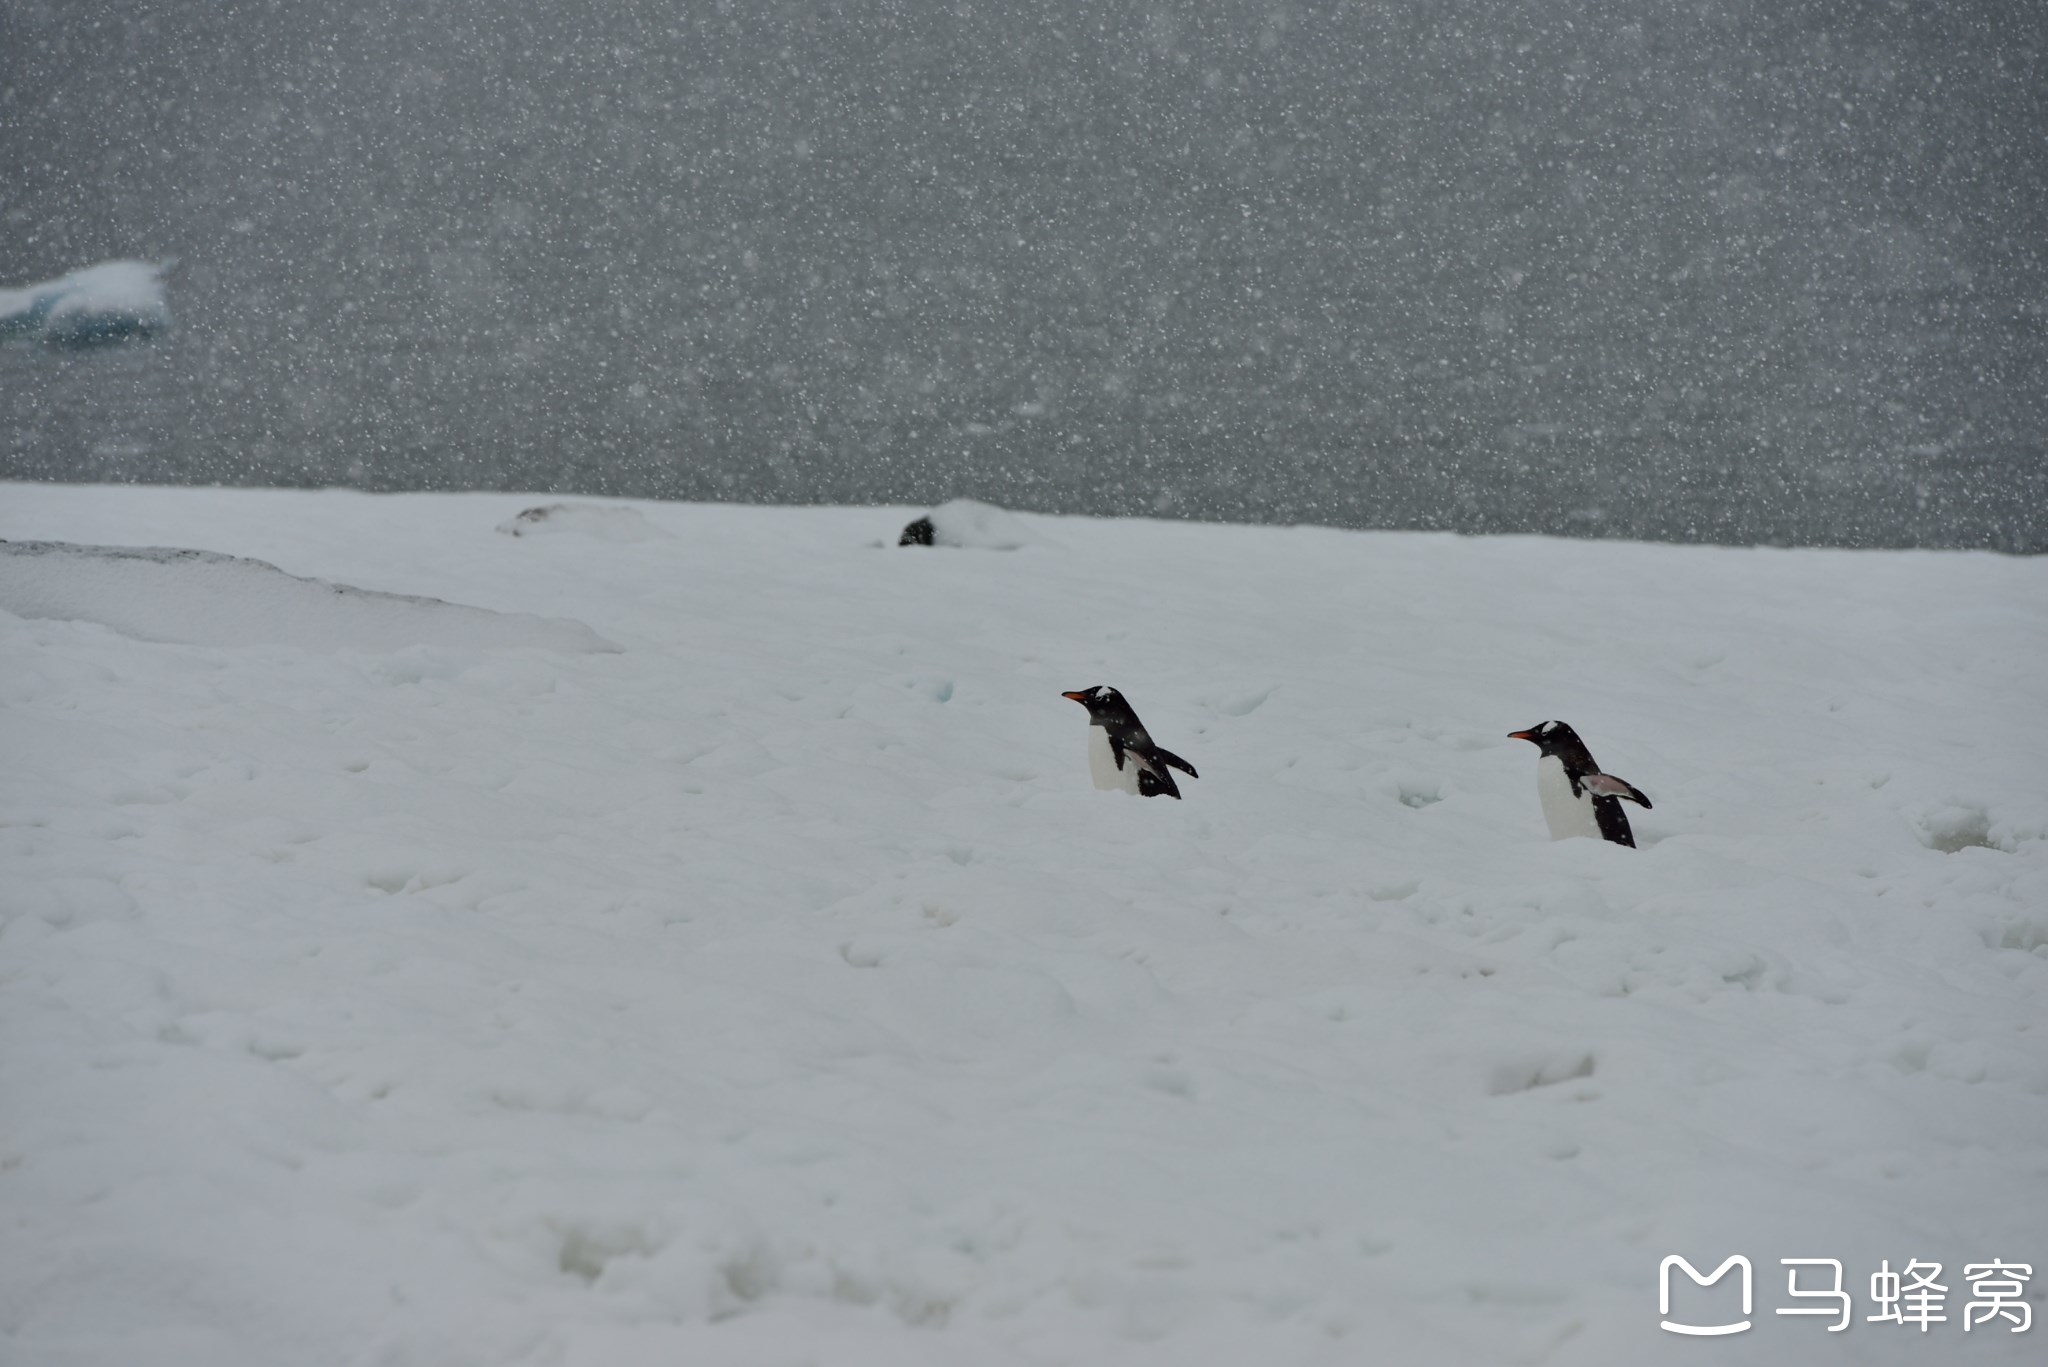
<point>200,598</point>
<point>967,524</point>
<point>593,520</point>
<point>780,990</point>
<point>112,302</point>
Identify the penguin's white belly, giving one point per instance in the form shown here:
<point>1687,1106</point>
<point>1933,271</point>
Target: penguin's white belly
<point>1102,764</point>
<point>1568,814</point>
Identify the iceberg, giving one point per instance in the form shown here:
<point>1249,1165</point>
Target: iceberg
<point>115,301</point>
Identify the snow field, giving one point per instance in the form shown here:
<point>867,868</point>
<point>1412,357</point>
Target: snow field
<point>777,989</point>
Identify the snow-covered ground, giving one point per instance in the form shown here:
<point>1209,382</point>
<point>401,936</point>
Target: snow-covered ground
<point>113,301</point>
<point>777,989</point>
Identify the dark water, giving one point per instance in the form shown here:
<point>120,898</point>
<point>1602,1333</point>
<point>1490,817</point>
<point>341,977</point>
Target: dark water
<point>1722,270</point>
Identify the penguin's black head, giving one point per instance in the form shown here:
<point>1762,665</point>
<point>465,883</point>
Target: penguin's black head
<point>1551,737</point>
<point>1103,703</point>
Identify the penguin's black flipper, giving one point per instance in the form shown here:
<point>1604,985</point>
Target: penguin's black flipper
<point>1168,757</point>
<point>1116,747</point>
<point>1152,783</point>
<point>1613,821</point>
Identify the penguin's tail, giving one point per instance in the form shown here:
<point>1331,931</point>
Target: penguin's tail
<point>1157,784</point>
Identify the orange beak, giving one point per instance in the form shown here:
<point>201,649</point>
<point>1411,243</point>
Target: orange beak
<point>1521,735</point>
<point>1077,697</point>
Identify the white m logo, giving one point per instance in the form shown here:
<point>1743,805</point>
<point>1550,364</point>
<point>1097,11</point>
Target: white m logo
<point>1701,1330</point>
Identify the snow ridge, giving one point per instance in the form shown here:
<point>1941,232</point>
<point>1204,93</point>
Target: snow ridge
<point>203,598</point>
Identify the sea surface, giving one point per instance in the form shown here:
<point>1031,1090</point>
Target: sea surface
<point>1723,271</point>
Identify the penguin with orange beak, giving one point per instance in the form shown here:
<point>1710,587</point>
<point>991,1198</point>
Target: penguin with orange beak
<point>1121,754</point>
<point>1577,798</point>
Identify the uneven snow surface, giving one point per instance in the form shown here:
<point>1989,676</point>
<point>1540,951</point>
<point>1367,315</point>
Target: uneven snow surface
<point>778,990</point>
<point>201,598</point>
<point>604,522</point>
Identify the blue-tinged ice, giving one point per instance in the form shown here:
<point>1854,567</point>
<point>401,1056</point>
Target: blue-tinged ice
<point>115,301</point>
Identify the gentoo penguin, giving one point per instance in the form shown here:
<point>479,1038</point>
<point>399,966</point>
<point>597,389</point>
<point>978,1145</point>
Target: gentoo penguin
<point>1121,754</point>
<point>1577,798</point>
